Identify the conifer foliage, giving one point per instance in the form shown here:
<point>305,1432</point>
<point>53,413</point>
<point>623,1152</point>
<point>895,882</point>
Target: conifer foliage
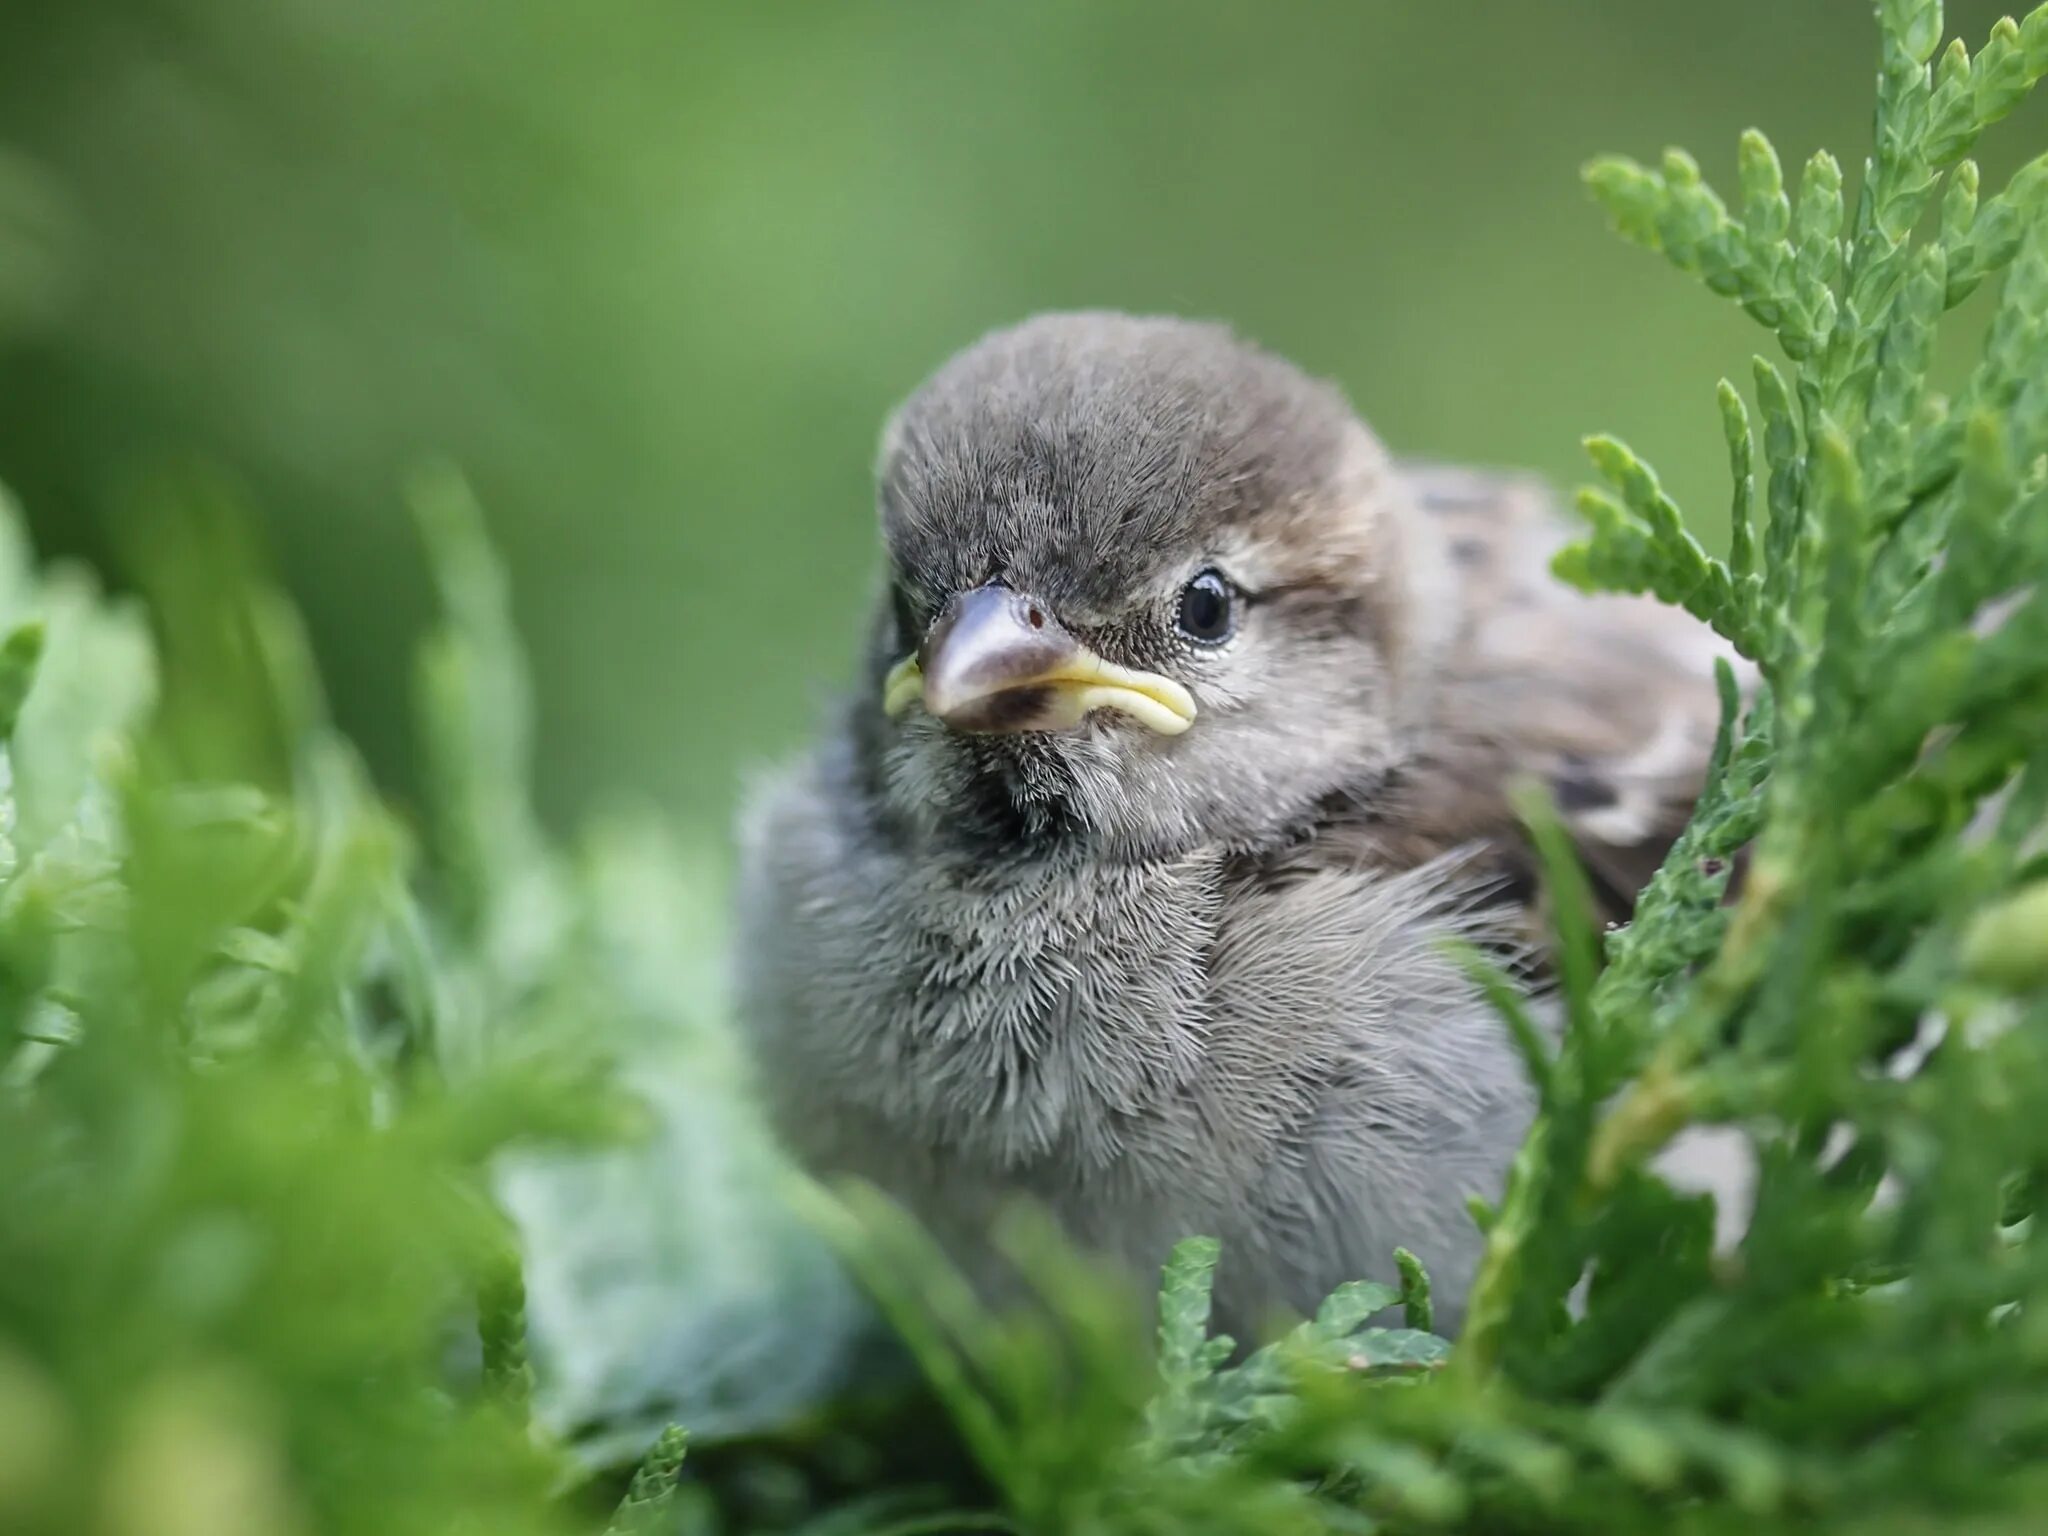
<point>264,1043</point>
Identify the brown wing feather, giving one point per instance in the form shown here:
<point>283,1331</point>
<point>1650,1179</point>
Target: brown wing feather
<point>1609,701</point>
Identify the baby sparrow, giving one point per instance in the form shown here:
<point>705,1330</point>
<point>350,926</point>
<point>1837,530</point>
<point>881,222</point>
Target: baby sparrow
<point>1185,731</point>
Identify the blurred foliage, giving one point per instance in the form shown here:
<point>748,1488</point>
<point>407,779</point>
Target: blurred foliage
<point>654,273</point>
<point>238,1204</point>
<point>266,1074</point>
<point>365,1172</point>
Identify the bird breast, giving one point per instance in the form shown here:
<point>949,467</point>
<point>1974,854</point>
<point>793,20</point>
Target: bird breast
<point>1047,1012</point>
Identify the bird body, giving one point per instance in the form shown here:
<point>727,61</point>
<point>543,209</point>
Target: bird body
<point>1188,727</point>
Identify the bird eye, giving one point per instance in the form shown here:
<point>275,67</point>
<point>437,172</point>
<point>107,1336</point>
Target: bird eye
<point>1208,608</point>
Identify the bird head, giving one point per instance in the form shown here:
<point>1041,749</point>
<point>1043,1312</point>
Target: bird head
<point>1148,586</point>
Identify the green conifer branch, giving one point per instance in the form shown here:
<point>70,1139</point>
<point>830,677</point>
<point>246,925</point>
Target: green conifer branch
<point>653,1488</point>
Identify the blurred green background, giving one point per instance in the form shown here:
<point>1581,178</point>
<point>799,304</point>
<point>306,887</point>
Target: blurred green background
<point>653,272</point>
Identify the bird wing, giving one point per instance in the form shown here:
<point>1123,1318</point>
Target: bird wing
<point>1608,701</point>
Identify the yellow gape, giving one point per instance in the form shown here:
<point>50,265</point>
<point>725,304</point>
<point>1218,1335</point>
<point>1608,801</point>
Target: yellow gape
<point>996,661</point>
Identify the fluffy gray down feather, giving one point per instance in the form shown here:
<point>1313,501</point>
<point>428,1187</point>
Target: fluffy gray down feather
<point>1197,985</point>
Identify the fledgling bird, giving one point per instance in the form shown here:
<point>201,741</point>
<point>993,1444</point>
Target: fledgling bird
<point>1184,737</point>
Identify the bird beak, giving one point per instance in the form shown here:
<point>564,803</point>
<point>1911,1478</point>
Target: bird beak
<point>996,661</point>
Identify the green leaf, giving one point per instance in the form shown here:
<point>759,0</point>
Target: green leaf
<point>1415,1301</point>
<point>1816,254</point>
<point>1399,1349</point>
<point>1995,232</point>
<point>1959,210</point>
<point>475,712</point>
<point>1784,452</point>
<point>2003,73</point>
<point>1184,1302</point>
<point>501,1329</point>
<point>1641,545</point>
<point>1507,1000</point>
<point>1766,212</point>
<point>20,654</point>
<point>653,1488</point>
<point>1633,197</point>
<point>1741,456</point>
<point>1914,25</point>
<point>2007,945</point>
<point>1903,359</point>
<point>1345,1308</point>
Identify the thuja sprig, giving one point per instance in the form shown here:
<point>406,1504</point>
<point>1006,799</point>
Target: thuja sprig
<point>1888,576</point>
<point>653,1488</point>
<point>501,1331</point>
<point>1853,303</point>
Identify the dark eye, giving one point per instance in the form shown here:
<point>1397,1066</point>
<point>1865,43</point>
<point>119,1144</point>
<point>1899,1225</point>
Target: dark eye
<point>1208,608</point>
